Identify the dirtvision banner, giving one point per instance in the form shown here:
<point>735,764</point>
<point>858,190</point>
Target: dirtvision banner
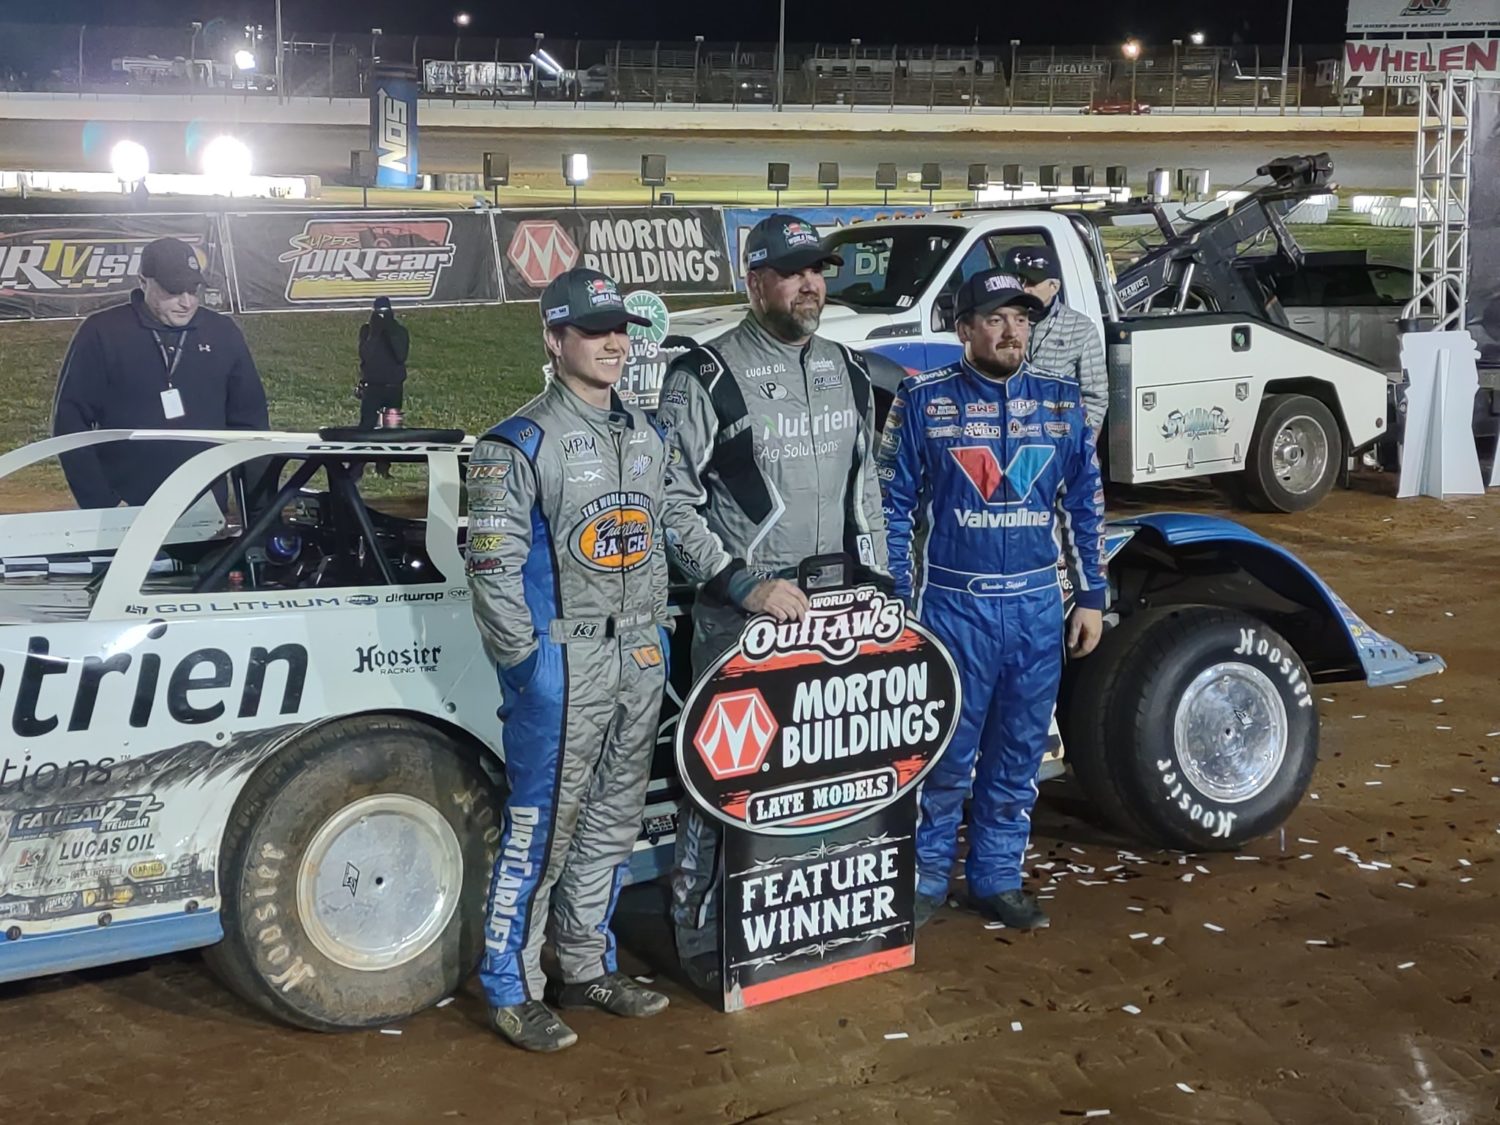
<point>62,266</point>
<point>807,741</point>
<point>1403,62</point>
<point>664,249</point>
<point>344,260</point>
<point>739,221</point>
<point>1418,17</point>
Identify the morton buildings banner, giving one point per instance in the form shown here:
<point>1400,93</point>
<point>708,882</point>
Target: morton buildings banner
<point>344,260</point>
<point>62,266</point>
<point>664,249</point>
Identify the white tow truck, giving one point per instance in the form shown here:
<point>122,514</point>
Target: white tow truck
<point>1228,392</point>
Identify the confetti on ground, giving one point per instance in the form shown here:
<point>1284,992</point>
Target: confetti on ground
<point>1132,1009</point>
<point>1328,699</point>
<point>1246,858</point>
<point>1136,909</point>
<point>445,1001</point>
<point>1185,1088</point>
<point>994,925</point>
<point>1372,783</point>
<point>1407,886</point>
<point>1444,728</point>
<point>1137,937</point>
<point>1464,863</point>
<point>1493,734</point>
<point>646,980</point>
<point>1201,868</point>
<point>1015,1025</point>
<point>1305,840</point>
<point>1096,1113</point>
<point>1211,926</point>
<point>1314,796</point>
<point>896,1035</point>
<point>1382,765</point>
<point>390,1031</point>
<point>1406,964</point>
<point>1458,790</point>
<point>1315,941</point>
<point>1188,878</point>
<point>1356,716</point>
<point>1157,940</point>
<point>1305,855</point>
<point>1466,879</point>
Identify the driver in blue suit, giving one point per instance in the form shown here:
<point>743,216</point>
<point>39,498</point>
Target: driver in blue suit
<point>997,460</point>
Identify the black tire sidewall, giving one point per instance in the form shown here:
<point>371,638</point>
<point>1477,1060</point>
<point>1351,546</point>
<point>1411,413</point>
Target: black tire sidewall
<point>1266,488</point>
<point>1148,761</point>
<point>265,940</point>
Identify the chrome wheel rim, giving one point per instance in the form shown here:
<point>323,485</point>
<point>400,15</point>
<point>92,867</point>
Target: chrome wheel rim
<point>1299,456</point>
<point>1230,732</point>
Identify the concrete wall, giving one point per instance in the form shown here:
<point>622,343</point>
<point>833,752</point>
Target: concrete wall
<point>440,113</point>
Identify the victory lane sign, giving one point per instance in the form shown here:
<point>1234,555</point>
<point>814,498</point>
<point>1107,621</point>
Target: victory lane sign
<point>808,741</point>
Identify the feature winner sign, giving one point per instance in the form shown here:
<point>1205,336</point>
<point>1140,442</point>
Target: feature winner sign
<point>808,741</point>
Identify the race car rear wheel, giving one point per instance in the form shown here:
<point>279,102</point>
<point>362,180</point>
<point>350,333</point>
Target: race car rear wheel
<point>1294,454</point>
<point>1197,730</point>
<point>353,875</point>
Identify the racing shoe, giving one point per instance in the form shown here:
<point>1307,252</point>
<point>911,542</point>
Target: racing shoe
<point>927,906</point>
<point>533,1026</point>
<point>1017,910</point>
<point>617,993</point>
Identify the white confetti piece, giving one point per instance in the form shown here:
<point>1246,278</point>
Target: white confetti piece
<point>1389,612</point>
<point>1406,964</point>
<point>1157,940</point>
<point>1493,734</point>
<point>1315,941</point>
<point>1015,1025</point>
<point>1080,851</point>
<point>1137,937</point>
<point>1464,863</point>
<point>1305,840</point>
<point>1444,728</point>
<point>1188,878</point>
<point>1381,864</point>
<point>1248,858</point>
<point>1458,790</point>
<point>1132,1009</point>
<point>1356,716</point>
<point>1211,926</point>
<point>1382,765</point>
<point>1367,867</point>
<point>1466,879</point>
<point>1305,855</point>
<point>896,1035</point>
<point>1438,700</point>
<point>994,925</point>
<point>1136,909</point>
<point>1314,796</point>
<point>1096,1113</point>
<point>1201,869</point>
<point>1373,783</point>
<point>646,980</point>
<point>1328,699</point>
<point>1116,867</point>
<point>390,1031</point>
<point>1185,1088</point>
<point>445,1001</point>
<point>1407,886</point>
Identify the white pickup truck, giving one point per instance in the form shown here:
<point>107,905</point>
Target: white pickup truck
<point>1191,394</point>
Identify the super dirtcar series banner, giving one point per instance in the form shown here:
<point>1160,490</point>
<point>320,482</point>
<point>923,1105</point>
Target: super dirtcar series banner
<point>62,266</point>
<point>664,249</point>
<point>807,742</point>
<point>344,260</point>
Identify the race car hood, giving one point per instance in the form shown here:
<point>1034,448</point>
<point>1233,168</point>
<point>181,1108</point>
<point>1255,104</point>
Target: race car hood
<point>1383,661</point>
<point>840,323</point>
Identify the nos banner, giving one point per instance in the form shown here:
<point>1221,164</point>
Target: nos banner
<point>808,741</point>
<point>61,266</point>
<point>665,249</point>
<point>393,127</point>
<point>344,260</point>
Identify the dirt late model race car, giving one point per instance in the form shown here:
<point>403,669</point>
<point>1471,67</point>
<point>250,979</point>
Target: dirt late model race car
<point>273,734</point>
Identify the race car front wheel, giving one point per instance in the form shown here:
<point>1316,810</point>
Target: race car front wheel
<point>353,874</point>
<point>1196,728</point>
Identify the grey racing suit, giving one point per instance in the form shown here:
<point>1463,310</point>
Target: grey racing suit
<point>770,450</point>
<point>569,581</point>
<point>1066,343</point>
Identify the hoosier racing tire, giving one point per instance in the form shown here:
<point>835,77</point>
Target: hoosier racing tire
<point>353,875</point>
<point>1198,729</point>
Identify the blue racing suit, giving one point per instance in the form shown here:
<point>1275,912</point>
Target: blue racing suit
<point>992,467</point>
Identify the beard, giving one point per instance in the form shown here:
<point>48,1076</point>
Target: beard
<point>997,367</point>
<point>795,323</point>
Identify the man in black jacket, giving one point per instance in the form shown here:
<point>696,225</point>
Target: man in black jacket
<point>159,362</point>
<point>383,347</point>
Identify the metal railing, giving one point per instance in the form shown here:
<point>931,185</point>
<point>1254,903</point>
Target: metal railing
<point>212,58</point>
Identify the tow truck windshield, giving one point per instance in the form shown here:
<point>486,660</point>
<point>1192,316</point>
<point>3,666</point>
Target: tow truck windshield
<point>887,270</point>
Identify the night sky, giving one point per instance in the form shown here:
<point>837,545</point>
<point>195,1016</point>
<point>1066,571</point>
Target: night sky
<point>1078,21</point>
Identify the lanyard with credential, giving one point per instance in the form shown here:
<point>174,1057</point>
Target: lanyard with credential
<point>171,398</point>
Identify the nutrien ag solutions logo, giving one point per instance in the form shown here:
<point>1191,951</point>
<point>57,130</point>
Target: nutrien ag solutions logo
<point>809,725</point>
<point>360,259</point>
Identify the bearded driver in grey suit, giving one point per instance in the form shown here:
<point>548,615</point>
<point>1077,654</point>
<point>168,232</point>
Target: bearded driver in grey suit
<point>770,434</point>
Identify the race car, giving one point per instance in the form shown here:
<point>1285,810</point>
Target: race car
<point>253,715</point>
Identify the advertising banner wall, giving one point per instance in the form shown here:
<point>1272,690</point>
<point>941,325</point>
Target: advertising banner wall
<point>62,266</point>
<point>1418,17</point>
<point>1402,62</point>
<point>738,222</point>
<point>664,249</point>
<point>344,260</point>
<point>393,127</point>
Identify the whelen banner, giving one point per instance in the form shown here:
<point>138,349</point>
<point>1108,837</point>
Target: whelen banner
<point>344,260</point>
<point>808,741</point>
<point>1419,17</point>
<point>63,266</point>
<point>664,249</point>
<point>1403,62</point>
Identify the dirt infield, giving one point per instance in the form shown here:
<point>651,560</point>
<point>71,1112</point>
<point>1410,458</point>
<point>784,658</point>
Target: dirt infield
<point>1344,972</point>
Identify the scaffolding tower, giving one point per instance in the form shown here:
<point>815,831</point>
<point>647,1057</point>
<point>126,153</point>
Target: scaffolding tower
<point>1440,246</point>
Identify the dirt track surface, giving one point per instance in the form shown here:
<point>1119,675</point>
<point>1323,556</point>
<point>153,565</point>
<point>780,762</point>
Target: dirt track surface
<point>1394,1018</point>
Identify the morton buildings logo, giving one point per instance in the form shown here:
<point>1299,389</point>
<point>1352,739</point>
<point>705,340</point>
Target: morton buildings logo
<point>540,250</point>
<point>361,259</point>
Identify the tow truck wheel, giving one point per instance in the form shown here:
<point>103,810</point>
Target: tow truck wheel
<point>1196,730</point>
<point>1294,454</point>
<point>353,874</point>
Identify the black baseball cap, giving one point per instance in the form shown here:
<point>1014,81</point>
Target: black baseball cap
<point>1033,264</point>
<point>586,299</point>
<point>786,244</point>
<point>993,289</point>
<point>172,264</point>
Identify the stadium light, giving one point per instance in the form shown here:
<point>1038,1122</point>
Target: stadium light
<point>1131,49</point>
<point>129,161</point>
<point>227,159</point>
<point>575,171</point>
<point>244,60</point>
<point>1198,38</point>
<point>462,19</point>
